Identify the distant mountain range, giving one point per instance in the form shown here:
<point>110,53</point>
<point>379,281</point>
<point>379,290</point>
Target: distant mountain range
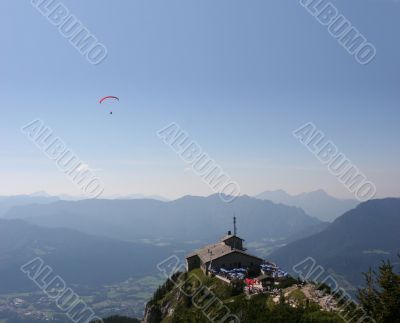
<point>79,258</point>
<point>136,197</point>
<point>317,203</point>
<point>7,202</point>
<point>360,238</point>
<point>190,218</point>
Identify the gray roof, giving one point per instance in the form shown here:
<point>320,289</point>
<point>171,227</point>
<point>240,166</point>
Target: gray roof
<point>230,236</point>
<point>215,251</point>
<point>211,252</point>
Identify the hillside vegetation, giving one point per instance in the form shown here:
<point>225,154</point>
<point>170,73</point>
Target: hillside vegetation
<point>218,301</point>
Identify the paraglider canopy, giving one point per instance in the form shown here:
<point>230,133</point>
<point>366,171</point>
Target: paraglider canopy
<point>108,97</point>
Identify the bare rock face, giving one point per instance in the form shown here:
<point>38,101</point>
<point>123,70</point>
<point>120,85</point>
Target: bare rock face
<point>155,313</point>
<point>152,314</point>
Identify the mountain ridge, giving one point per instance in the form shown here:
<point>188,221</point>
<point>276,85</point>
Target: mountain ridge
<point>359,238</point>
<point>186,219</point>
<point>316,203</point>
<point>79,258</point>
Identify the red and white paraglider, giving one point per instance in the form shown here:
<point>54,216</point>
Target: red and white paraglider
<point>107,98</point>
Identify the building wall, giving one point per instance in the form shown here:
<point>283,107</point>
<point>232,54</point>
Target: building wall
<point>234,242</point>
<point>236,260</point>
<point>192,263</point>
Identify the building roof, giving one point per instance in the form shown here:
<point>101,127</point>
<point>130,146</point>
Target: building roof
<point>211,251</point>
<point>230,236</point>
<point>215,251</point>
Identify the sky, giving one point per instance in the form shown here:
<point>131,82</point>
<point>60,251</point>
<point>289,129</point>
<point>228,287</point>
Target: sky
<point>238,76</point>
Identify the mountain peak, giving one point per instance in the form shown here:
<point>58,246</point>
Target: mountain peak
<point>316,203</point>
<point>40,194</point>
<point>319,192</point>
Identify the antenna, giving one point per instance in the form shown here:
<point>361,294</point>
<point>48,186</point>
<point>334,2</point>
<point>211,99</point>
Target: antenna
<point>234,226</point>
<point>210,264</point>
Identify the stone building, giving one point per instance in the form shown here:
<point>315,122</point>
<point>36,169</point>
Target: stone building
<point>228,253</point>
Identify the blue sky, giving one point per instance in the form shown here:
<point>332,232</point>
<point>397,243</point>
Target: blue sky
<point>238,76</point>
